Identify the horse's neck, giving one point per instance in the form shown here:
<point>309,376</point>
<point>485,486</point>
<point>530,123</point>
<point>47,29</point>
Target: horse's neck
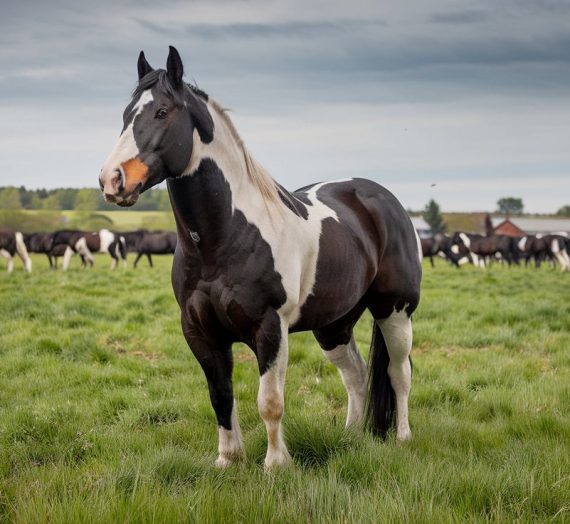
<point>214,184</point>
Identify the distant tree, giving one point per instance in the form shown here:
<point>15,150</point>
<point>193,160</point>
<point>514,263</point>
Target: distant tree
<point>432,215</point>
<point>87,199</point>
<point>51,202</point>
<point>510,205</point>
<point>564,211</point>
<point>10,198</point>
<point>67,197</point>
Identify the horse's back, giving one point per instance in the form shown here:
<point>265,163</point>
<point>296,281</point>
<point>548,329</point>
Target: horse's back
<point>371,252</point>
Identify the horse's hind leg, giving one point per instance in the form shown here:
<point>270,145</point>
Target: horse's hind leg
<point>352,370</point>
<point>397,333</point>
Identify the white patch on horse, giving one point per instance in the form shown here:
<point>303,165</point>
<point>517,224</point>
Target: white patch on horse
<point>230,447</point>
<point>68,253</point>
<point>397,333</point>
<point>106,238</point>
<point>560,255</point>
<point>420,250</point>
<point>354,375</point>
<point>466,240</point>
<point>522,243</point>
<point>126,148</point>
<point>9,259</point>
<point>455,249</point>
<point>295,256</point>
<point>22,251</point>
<point>82,249</point>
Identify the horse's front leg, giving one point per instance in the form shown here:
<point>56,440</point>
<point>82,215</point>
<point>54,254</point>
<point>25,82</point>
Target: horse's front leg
<point>272,349</point>
<point>216,360</point>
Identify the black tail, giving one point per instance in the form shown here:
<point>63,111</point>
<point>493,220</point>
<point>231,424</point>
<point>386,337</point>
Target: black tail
<point>381,408</point>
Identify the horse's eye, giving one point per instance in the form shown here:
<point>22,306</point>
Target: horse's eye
<point>161,113</point>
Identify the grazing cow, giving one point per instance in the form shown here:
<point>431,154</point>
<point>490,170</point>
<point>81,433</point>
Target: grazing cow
<point>84,243</point>
<point>156,243</point>
<point>12,243</point>
<point>254,261</point>
<point>40,243</point>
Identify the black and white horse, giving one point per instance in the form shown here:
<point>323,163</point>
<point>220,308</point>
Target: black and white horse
<point>484,249</point>
<point>40,243</point>
<point>254,262</point>
<point>85,244</point>
<point>440,245</point>
<point>155,243</point>
<point>12,243</point>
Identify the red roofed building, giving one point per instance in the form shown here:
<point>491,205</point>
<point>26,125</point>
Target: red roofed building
<point>506,227</point>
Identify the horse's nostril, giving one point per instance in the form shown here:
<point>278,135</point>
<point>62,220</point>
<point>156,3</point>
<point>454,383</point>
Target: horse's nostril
<point>120,178</point>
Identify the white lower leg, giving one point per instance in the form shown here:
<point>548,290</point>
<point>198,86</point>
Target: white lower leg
<point>230,446</point>
<point>352,369</point>
<point>271,404</point>
<point>8,258</point>
<point>397,333</point>
<point>67,257</point>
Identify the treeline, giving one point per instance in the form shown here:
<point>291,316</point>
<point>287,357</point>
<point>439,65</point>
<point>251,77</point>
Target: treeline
<point>85,199</point>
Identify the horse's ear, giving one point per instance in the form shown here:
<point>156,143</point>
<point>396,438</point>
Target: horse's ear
<point>143,66</point>
<point>174,68</point>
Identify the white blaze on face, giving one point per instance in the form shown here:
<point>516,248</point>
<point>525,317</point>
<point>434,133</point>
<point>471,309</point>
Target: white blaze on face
<point>126,148</point>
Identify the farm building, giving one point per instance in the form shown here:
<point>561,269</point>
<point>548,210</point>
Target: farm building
<point>421,226</point>
<point>520,226</point>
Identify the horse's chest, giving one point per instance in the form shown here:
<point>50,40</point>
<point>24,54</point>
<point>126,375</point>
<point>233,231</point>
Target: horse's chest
<point>237,289</point>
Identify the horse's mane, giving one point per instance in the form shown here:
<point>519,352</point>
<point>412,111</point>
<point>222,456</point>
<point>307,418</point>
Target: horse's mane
<point>256,173</point>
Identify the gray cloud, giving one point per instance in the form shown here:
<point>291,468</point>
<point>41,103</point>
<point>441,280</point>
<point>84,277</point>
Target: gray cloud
<point>309,89</point>
<point>459,17</point>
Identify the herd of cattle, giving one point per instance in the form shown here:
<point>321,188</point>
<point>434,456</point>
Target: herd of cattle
<point>458,249</point>
<point>68,243</point>
<point>462,248</point>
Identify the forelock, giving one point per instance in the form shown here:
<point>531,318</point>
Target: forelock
<point>159,79</point>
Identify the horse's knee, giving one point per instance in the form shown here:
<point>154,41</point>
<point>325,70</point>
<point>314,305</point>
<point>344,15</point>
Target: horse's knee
<point>270,405</point>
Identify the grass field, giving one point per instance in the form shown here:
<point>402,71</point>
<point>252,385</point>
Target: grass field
<point>105,417</point>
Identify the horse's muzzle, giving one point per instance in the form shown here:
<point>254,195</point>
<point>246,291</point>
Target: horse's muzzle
<point>113,188</point>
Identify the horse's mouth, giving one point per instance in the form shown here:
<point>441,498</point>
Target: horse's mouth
<point>124,200</point>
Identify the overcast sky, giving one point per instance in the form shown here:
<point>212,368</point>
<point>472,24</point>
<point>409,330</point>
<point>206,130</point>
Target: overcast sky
<point>463,102</point>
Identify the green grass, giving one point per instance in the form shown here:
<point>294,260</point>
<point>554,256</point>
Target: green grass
<point>105,416</point>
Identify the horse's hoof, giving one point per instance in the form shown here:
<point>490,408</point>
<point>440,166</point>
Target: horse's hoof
<point>223,462</point>
<point>404,435</point>
<point>277,460</point>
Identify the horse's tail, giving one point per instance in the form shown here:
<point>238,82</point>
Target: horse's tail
<point>22,251</point>
<point>381,407</point>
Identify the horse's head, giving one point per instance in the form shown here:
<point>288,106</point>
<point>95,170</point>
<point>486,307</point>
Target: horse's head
<point>158,132</point>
